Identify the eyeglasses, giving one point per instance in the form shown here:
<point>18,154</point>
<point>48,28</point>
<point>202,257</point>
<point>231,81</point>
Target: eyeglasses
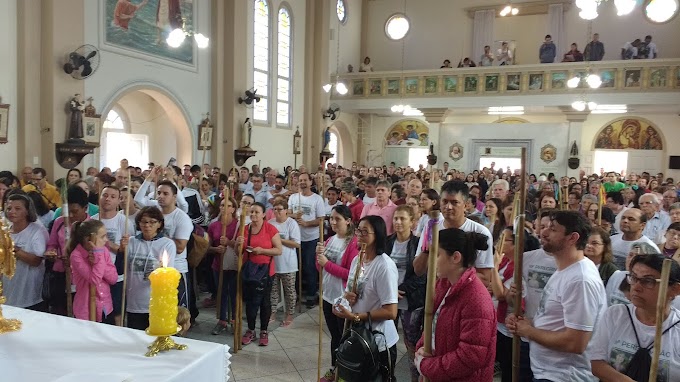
<point>646,282</point>
<point>673,234</point>
<point>148,222</point>
<point>646,203</point>
<point>363,232</point>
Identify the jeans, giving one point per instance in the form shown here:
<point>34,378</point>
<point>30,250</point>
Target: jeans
<point>228,293</point>
<point>258,298</point>
<point>525,373</point>
<point>504,356</point>
<point>336,326</point>
<point>309,273</point>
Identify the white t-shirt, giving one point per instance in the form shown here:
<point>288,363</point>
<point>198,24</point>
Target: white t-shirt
<point>484,258</point>
<point>617,219</point>
<point>25,288</point>
<point>312,208</point>
<point>377,286</point>
<point>178,226</point>
<point>115,228</point>
<point>289,230</point>
<point>614,294</point>
<point>143,258</point>
<point>537,269</point>
<point>573,298</point>
<point>614,341</point>
<point>400,257</point>
<point>422,222</point>
<point>332,285</point>
<point>367,199</point>
<point>621,248</point>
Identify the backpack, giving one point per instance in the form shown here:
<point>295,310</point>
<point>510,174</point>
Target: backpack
<point>358,356</point>
<point>639,365</point>
<point>197,247</point>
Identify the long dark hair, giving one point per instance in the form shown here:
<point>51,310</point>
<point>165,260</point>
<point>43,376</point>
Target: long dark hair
<point>380,232</point>
<point>467,243</point>
<point>38,202</point>
<point>346,214</point>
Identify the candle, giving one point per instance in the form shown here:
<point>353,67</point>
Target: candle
<point>163,301</point>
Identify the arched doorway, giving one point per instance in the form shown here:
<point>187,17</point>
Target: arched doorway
<point>145,124</point>
<point>341,144</point>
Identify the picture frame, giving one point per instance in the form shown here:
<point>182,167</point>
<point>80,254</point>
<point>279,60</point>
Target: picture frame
<point>205,133</point>
<point>513,82</point>
<point>471,84</point>
<point>431,85</point>
<point>92,128</point>
<point>450,84</point>
<point>297,143</point>
<point>4,123</point>
<point>491,82</point>
<point>535,82</point>
<point>456,152</point>
<point>393,87</point>
<point>558,80</point>
<point>358,87</point>
<point>548,153</point>
<point>677,77</point>
<point>658,77</point>
<point>632,78</point>
<point>411,85</point>
<point>375,87</point>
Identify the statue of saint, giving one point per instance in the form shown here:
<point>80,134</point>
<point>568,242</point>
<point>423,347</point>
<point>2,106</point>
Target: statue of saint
<point>246,133</point>
<point>77,106</point>
<point>327,139</point>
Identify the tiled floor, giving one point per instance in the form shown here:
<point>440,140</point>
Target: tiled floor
<point>291,354</point>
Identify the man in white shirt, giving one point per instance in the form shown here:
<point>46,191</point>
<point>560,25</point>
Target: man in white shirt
<point>369,190</point>
<point>504,54</point>
<point>629,50</point>
<point>572,302</point>
<point>454,194</point>
<point>657,223</point>
<point>648,50</point>
<point>244,184</point>
<point>307,208</point>
<point>145,198</point>
<point>632,224</point>
<point>258,191</point>
<point>615,203</point>
<point>278,189</point>
<point>118,231</point>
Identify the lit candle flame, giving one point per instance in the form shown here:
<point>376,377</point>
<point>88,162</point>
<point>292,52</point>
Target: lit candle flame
<point>164,259</point>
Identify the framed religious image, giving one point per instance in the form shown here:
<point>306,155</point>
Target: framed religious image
<point>358,87</point>
<point>608,77</point>
<point>4,122</point>
<point>631,78</point>
<point>536,81</point>
<point>205,137</point>
<point>92,127</point>
<point>582,75</point>
<point>548,153</point>
<point>491,83</point>
<point>558,80</point>
<point>456,152</point>
<point>470,84</point>
<point>375,87</point>
<point>677,77</point>
<point>297,143</point>
<point>411,85</point>
<point>451,83</point>
<point>513,81</point>
<point>431,85</point>
<point>657,77</point>
<point>393,86</point>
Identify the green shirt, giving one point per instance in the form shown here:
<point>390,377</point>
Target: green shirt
<point>616,187</point>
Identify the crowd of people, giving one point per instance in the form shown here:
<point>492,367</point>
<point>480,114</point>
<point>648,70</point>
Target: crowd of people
<point>593,249</point>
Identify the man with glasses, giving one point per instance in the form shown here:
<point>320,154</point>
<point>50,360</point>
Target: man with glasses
<point>572,302</point>
<point>38,183</point>
<point>672,236</point>
<point>632,224</point>
<point>657,223</point>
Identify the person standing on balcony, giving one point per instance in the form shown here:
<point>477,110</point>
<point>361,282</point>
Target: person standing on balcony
<point>594,51</point>
<point>487,57</point>
<point>504,54</point>
<point>573,55</point>
<point>548,51</point>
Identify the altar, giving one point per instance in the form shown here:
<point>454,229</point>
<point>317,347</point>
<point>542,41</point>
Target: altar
<point>51,348</point>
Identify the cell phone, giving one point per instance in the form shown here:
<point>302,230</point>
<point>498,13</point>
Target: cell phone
<point>249,249</point>
<point>171,162</point>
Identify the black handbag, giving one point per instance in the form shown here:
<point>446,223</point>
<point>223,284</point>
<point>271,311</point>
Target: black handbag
<point>358,356</point>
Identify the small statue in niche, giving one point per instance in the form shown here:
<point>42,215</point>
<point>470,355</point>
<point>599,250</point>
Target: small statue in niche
<point>246,133</point>
<point>77,106</point>
<point>327,139</point>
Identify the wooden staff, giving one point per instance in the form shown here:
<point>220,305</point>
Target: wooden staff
<point>660,310</point>
<point>600,203</point>
<point>321,234</point>
<point>93,303</point>
<point>220,277</point>
<point>125,251</point>
<point>519,257</point>
<point>355,280</point>
<point>67,261</point>
<point>431,283</point>
<point>238,319</point>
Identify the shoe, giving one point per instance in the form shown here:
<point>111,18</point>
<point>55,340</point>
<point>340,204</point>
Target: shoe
<point>248,337</point>
<point>264,338</point>
<point>209,302</point>
<point>218,329</point>
<point>329,376</point>
<point>310,303</point>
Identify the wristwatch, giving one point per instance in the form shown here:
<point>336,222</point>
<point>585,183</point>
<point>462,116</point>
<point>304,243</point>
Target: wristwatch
<point>357,320</point>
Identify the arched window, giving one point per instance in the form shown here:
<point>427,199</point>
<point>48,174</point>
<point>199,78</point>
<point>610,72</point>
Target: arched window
<point>333,147</point>
<point>284,68</point>
<point>261,60</point>
<point>114,122</point>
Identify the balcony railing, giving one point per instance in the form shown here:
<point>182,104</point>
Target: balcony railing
<point>627,76</point>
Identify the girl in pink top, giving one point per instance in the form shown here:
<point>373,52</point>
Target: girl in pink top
<point>91,264</point>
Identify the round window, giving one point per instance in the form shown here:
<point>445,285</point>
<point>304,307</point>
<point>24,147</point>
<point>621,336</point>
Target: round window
<point>397,26</point>
<point>661,11</point>
<point>341,11</point>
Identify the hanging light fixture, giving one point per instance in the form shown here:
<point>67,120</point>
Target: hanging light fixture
<point>593,80</point>
<point>509,10</point>
<point>339,86</point>
<point>589,7</point>
<point>178,35</point>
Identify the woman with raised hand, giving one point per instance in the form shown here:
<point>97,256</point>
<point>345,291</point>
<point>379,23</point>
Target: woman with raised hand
<point>335,257</point>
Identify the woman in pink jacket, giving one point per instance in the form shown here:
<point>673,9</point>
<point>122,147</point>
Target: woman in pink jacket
<point>464,324</point>
<point>91,265</point>
<point>335,257</point>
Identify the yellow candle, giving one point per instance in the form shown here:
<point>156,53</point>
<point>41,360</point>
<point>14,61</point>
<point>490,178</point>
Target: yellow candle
<point>163,301</point>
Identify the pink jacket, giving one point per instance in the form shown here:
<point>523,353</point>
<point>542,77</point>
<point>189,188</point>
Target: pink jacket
<point>341,271</point>
<point>57,241</point>
<point>102,274</point>
<point>465,336</point>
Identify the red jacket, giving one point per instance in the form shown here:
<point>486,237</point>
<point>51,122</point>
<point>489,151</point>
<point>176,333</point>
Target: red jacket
<point>465,341</point>
<point>356,209</point>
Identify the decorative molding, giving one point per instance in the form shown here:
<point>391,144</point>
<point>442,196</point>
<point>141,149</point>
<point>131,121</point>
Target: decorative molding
<point>574,115</point>
<point>435,115</point>
<point>525,9</point>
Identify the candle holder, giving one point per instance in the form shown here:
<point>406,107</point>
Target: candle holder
<point>7,268</point>
<point>163,342</point>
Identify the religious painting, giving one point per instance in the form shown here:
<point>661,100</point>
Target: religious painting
<point>358,87</point>
<point>558,80</point>
<point>536,81</point>
<point>632,78</point>
<point>513,81</point>
<point>608,77</point>
<point>629,134</point>
<point>491,82</point>
<point>431,85</point>
<point>408,133</point>
<point>548,153</point>
<point>451,83</point>
<point>375,87</point>
<point>4,122</point>
<point>657,78</point>
<point>456,152</point>
<point>411,85</point>
<point>393,86</point>
<point>91,129</point>
<point>205,132</point>
<point>141,27</point>
<point>470,84</point>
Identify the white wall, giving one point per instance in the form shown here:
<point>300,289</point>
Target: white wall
<point>8,81</point>
<point>348,35</point>
<point>441,29</point>
<point>274,144</point>
<point>190,87</point>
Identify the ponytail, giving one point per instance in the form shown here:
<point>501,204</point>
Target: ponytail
<point>81,232</point>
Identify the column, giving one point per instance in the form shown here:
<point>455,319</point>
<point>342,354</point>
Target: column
<point>435,117</point>
<point>575,120</point>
